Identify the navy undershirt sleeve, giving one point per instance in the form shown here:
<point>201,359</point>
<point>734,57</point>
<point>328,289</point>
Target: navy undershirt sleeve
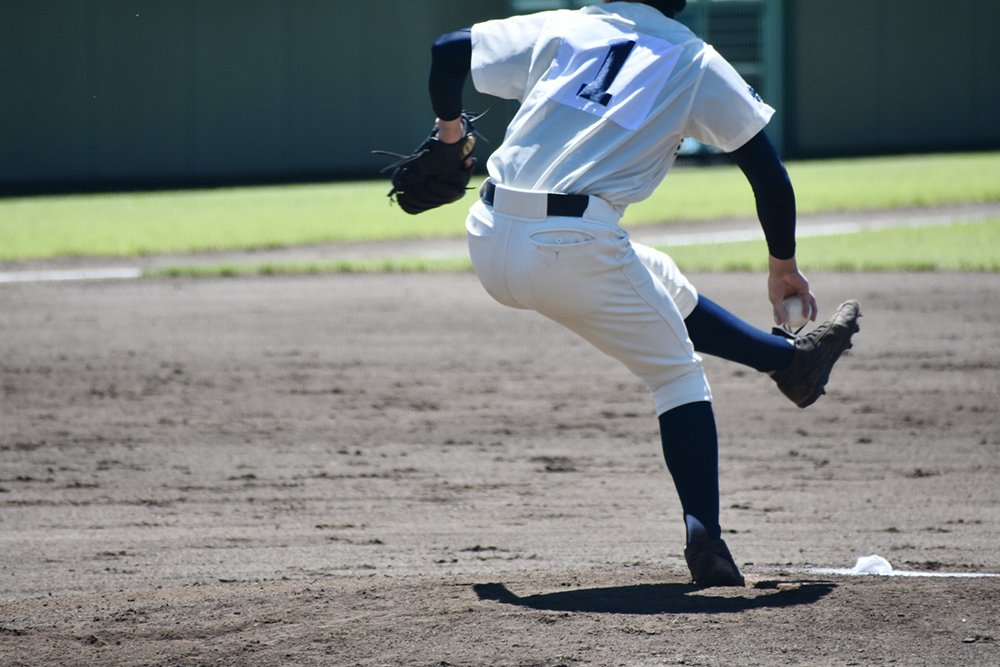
<point>773,191</point>
<point>451,61</point>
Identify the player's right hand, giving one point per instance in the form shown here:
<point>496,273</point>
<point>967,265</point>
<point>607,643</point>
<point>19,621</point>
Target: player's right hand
<point>783,280</point>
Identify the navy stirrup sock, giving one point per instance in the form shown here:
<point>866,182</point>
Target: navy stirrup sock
<point>716,331</point>
<point>691,449</point>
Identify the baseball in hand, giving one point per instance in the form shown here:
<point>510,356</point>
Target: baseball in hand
<point>793,306</point>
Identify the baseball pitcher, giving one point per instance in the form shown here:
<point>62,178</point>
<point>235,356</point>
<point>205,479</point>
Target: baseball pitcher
<point>607,94</point>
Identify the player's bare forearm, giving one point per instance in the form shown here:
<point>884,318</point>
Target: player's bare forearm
<point>453,131</point>
<point>783,280</point>
<point>450,131</point>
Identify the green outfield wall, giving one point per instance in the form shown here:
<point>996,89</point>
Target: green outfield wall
<point>102,93</point>
<point>892,76</point>
<point>106,94</point>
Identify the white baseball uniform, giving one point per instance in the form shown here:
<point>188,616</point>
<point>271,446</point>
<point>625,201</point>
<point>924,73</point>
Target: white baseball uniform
<point>607,93</point>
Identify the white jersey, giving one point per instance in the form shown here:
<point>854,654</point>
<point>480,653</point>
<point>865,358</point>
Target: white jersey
<point>607,93</point>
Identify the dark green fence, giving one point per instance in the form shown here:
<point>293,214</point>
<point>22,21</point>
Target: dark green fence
<point>134,93</point>
<point>151,93</point>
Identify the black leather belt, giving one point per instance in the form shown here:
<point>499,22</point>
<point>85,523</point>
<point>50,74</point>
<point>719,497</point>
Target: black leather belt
<point>570,206</point>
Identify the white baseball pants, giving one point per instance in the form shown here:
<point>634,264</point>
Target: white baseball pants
<point>626,299</point>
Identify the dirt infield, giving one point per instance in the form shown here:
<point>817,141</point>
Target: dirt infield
<point>394,470</point>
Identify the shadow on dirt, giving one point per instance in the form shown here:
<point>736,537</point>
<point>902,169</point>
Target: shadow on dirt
<point>663,598</point>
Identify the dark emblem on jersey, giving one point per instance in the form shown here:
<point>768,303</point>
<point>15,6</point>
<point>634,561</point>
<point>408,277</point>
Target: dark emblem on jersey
<point>753,94</point>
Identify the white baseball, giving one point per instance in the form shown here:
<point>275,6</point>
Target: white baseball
<point>793,306</point>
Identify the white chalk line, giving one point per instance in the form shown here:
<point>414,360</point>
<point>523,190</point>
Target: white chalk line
<point>831,229</point>
<point>79,274</point>
<point>895,573</point>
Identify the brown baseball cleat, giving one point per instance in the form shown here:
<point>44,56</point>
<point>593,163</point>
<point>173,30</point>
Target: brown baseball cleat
<point>710,562</point>
<point>804,380</point>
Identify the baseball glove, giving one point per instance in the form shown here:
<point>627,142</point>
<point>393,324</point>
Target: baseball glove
<point>435,174</point>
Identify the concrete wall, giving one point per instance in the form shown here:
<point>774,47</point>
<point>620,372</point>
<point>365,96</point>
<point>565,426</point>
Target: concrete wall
<point>889,76</point>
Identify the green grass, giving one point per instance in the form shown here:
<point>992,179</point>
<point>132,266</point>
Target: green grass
<point>960,247</point>
<point>829,185</point>
<point>201,220</point>
<point>267,217</point>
